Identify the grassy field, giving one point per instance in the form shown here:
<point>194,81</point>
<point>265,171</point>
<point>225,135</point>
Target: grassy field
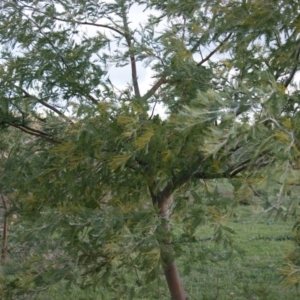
<point>255,274</point>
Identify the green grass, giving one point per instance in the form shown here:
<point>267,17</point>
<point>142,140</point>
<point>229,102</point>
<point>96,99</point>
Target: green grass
<point>255,274</point>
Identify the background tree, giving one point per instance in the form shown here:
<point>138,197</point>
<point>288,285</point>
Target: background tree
<point>103,170</point>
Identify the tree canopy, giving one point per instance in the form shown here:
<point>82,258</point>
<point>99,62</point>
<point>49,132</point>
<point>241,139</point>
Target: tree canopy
<point>98,176</point>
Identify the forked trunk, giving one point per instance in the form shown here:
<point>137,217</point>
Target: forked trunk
<point>171,272</point>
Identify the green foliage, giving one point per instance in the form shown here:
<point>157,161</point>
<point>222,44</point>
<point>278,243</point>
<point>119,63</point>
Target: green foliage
<point>93,157</point>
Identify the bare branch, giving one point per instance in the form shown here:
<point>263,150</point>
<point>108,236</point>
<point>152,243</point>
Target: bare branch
<point>260,162</point>
<point>53,108</point>
<point>153,110</point>
<point>128,38</point>
<point>242,166</point>
<point>93,99</point>
<point>42,133</point>
<point>34,132</point>
<point>277,37</point>
<point>255,192</point>
<point>91,24</point>
<point>215,50</point>
<point>294,70</point>
<point>155,87</point>
<point>27,95</point>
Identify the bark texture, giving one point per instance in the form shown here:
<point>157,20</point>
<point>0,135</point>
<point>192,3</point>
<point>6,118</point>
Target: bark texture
<point>171,272</point>
<point>174,282</point>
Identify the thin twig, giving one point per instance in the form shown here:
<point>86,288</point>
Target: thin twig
<point>215,50</point>
<point>35,130</point>
<point>152,110</point>
<point>256,193</point>
<point>53,108</point>
<point>294,70</point>
<point>136,272</point>
<point>27,95</point>
<point>91,24</point>
<point>242,166</point>
<point>32,131</point>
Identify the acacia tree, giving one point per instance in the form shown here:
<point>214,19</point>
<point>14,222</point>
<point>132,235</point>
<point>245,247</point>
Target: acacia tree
<point>103,170</point>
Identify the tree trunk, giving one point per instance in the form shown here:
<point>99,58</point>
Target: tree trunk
<point>6,207</point>
<point>174,282</point>
<point>171,272</point>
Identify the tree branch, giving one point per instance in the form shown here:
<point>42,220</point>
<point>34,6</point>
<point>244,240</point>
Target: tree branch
<point>34,132</point>
<point>173,184</point>
<point>91,24</point>
<point>6,206</point>
<point>259,163</point>
<point>153,109</point>
<point>214,51</point>
<point>42,133</point>
<point>53,108</point>
<point>27,95</point>
<point>155,87</point>
<point>239,168</point>
<point>132,57</point>
<point>294,70</point>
